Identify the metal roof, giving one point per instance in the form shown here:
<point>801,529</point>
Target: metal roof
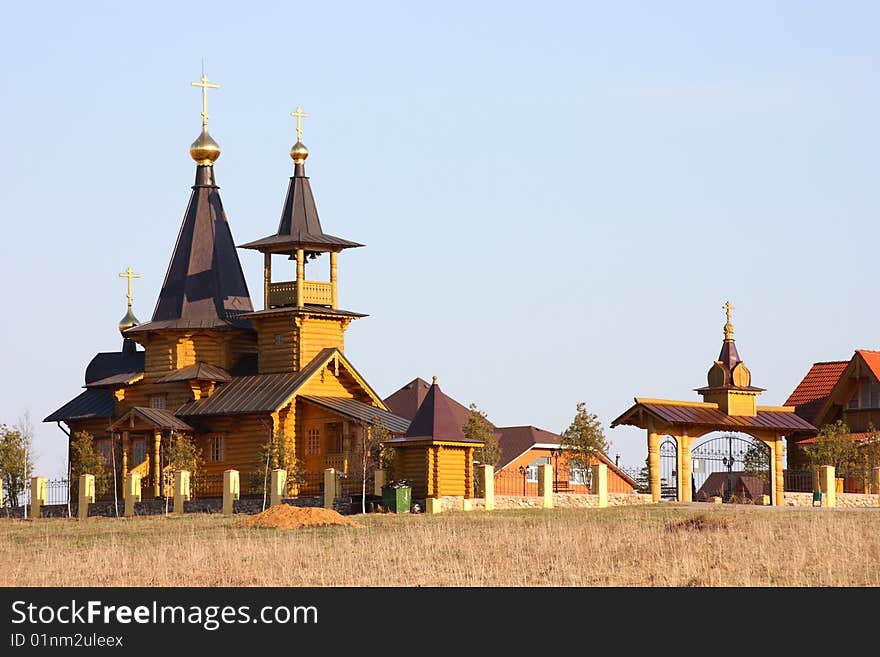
<point>260,393</point>
<point>708,415</point>
<point>360,411</point>
<point>158,417</point>
<point>91,403</point>
<point>204,281</point>
<point>200,371</point>
<point>121,379</point>
<point>435,418</point>
<point>300,226</point>
<point>108,363</point>
<point>306,309</point>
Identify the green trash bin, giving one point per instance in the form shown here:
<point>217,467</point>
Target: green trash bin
<point>396,497</point>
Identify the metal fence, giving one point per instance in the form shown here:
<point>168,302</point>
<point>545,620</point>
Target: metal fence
<point>515,483</point>
<point>798,481</point>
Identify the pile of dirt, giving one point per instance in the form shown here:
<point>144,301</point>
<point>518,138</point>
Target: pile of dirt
<point>285,516</point>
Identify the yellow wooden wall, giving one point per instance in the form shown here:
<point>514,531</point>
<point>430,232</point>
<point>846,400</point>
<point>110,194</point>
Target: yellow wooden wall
<point>243,436</point>
<point>316,334</point>
<point>273,357</point>
<point>412,464</point>
<point>172,350</point>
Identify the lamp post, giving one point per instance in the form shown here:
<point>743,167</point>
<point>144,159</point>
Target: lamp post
<point>522,471</point>
<point>555,454</point>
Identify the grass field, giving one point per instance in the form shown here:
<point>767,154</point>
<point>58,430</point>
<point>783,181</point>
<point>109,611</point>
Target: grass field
<point>658,545</point>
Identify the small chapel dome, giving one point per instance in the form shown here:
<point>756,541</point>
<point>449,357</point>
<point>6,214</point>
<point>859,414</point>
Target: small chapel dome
<point>299,152</point>
<point>204,150</point>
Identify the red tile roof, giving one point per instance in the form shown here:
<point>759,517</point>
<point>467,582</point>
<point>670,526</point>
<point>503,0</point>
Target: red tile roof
<point>814,389</point>
<point>872,359</point>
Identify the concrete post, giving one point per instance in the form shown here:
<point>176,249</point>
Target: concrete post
<point>230,491</point>
<point>330,479</point>
<point>380,478</point>
<point>600,483</point>
<point>432,505</point>
<point>86,495</point>
<point>181,490</point>
<point>545,485</point>
<point>38,496</point>
<point>827,485</point>
<point>277,486</point>
<point>467,504</point>
<point>132,492</point>
<point>654,465</point>
<point>488,475</point>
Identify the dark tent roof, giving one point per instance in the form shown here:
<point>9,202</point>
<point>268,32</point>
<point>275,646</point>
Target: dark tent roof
<point>107,364</point>
<point>405,402</point>
<point>300,227</point>
<point>204,286</point>
<point>436,419</point>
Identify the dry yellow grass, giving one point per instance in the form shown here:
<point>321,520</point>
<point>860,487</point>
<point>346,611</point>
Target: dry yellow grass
<point>661,545</point>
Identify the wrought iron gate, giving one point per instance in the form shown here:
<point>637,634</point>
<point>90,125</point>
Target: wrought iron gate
<point>729,453</point>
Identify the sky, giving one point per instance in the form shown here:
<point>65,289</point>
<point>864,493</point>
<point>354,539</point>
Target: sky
<point>556,197</point>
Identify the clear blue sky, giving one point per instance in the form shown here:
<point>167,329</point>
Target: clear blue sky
<point>556,198</point>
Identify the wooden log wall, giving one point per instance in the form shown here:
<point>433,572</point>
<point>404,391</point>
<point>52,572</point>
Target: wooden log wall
<point>316,334</point>
<point>411,463</point>
<point>276,342</point>
<point>451,471</point>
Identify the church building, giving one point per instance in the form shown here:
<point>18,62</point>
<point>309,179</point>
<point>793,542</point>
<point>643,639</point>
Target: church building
<point>232,378</point>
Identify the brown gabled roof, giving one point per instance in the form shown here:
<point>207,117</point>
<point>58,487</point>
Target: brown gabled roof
<point>91,403</point>
<point>199,371</point>
<point>300,227</point>
<point>707,414</point>
<point>362,412</point>
<point>204,286</point>
<point>265,393</point>
<point>116,380</point>
<point>157,417</point>
<point>516,441</point>
<point>813,391</point>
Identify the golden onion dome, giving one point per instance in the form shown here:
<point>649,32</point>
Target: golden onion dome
<point>204,150</point>
<point>128,321</point>
<point>299,152</point>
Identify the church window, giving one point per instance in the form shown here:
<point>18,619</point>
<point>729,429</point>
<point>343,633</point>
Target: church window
<point>217,449</point>
<point>157,401</point>
<point>313,441</point>
<point>279,340</point>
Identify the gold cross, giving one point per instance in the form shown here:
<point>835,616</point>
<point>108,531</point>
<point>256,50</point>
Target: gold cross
<point>205,85</point>
<point>299,115</point>
<point>728,307</point>
<point>129,274</point>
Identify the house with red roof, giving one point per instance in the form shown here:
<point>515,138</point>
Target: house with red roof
<point>847,390</point>
<point>523,450</point>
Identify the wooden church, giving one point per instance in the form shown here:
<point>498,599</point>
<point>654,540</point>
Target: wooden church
<point>232,378</point>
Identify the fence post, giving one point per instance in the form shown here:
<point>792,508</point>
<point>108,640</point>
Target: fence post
<point>828,486</point>
<point>380,477</point>
<point>330,483</point>
<point>181,490</point>
<point>86,495</point>
<point>545,485</point>
<point>487,472</point>
<point>432,505</point>
<point>277,485</point>
<point>600,483</point>
<point>132,493</point>
<point>230,491</point>
<point>38,496</point>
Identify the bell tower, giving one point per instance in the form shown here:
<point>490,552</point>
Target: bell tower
<point>300,317</point>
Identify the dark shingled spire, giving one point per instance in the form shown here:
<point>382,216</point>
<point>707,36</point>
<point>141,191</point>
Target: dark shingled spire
<point>204,286</point>
<point>300,227</point>
<point>435,418</point>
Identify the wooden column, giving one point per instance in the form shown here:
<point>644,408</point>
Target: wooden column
<point>686,493</point>
<point>468,473</point>
<point>779,479</point>
<point>157,474</point>
<point>654,464</point>
<point>126,446</point>
<point>334,288</point>
<point>267,278</point>
<point>300,276</point>
<point>679,470</point>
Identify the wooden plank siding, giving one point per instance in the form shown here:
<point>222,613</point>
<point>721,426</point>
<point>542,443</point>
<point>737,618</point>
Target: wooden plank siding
<point>276,344</point>
<point>316,334</point>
